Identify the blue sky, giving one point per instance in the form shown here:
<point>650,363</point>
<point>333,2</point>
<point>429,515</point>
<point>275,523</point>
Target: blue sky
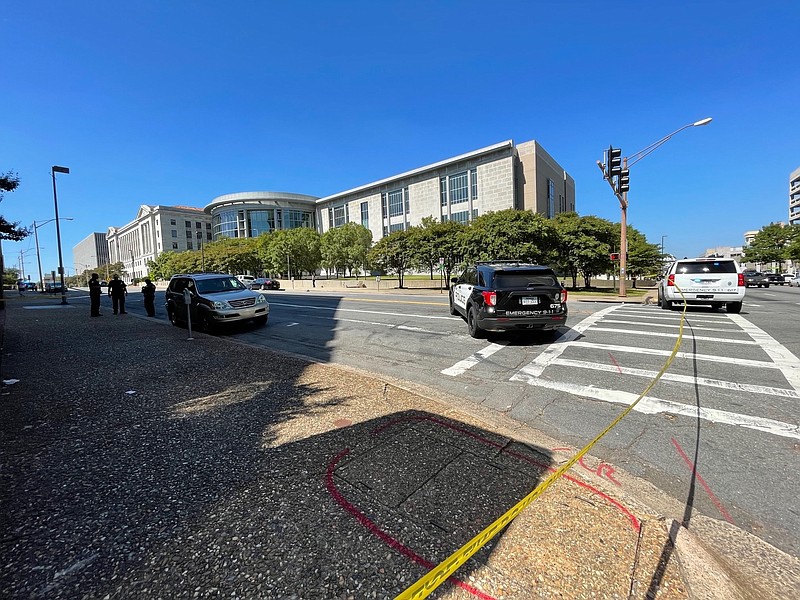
<point>177,102</point>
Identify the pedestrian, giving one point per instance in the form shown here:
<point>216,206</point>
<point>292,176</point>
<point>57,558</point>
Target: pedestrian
<point>94,296</point>
<point>117,290</point>
<point>149,293</point>
<point>313,279</point>
<point>21,287</point>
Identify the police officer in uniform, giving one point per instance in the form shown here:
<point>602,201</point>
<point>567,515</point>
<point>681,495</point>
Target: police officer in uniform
<point>149,293</point>
<point>94,296</point>
<point>117,290</point>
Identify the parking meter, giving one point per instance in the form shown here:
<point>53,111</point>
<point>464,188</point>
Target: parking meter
<point>187,298</point>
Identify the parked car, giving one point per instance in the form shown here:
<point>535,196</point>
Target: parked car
<point>795,280</point>
<point>755,279</point>
<point>265,283</point>
<point>508,296</point>
<point>214,299</point>
<point>716,282</point>
<point>53,287</point>
<point>775,279</point>
<point>246,279</point>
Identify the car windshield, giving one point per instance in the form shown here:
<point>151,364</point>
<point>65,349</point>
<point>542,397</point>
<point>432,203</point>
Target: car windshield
<point>693,268</point>
<point>219,284</point>
<point>522,279</point>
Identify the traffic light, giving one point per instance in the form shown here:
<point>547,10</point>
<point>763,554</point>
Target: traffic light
<point>623,181</point>
<point>614,162</point>
<point>614,256</point>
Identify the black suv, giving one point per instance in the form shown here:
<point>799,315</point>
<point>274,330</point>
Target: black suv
<point>214,298</point>
<point>508,296</point>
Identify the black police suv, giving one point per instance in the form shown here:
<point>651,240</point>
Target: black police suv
<point>508,296</point>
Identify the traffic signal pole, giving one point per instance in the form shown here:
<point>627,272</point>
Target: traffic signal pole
<point>616,168</point>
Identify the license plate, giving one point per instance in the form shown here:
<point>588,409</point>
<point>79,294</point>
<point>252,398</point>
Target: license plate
<point>530,301</point>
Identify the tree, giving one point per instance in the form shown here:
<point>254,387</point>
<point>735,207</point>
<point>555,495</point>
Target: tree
<point>644,259</point>
<point>295,249</point>
<point>434,240</point>
<point>345,248</point>
<point>393,253</point>
<point>510,235</point>
<point>584,245</point>
<point>230,255</point>
<point>9,182</point>
<point>770,244</point>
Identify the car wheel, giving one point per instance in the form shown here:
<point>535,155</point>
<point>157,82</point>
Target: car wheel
<point>206,323</point>
<point>453,309</point>
<point>261,321</point>
<point>665,304</point>
<point>472,323</point>
<point>172,318</point>
<point>734,307</point>
<point>766,285</point>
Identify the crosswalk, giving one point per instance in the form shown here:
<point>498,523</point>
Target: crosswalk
<point>723,362</point>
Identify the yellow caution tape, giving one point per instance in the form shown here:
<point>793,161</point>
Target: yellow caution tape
<point>425,585</point>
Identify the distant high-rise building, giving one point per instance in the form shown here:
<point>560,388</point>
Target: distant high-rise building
<point>90,253</point>
<point>794,197</point>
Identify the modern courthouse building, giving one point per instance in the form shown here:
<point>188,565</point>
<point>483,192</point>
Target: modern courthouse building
<point>498,177</point>
<point>494,178</point>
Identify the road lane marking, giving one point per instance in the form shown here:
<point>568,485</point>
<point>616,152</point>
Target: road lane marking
<point>368,312</point>
<point>780,354</point>
<point>706,381</point>
<point>744,362</point>
<point>670,325</point>
<point>651,406</point>
<point>675,335</point>
<point>462,366</point>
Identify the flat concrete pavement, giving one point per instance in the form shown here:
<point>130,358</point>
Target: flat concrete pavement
<point>137,463</point>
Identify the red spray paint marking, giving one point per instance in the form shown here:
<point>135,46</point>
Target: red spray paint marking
<point>616,364</point>
<point>603,470</point>
<point>382,535</point>
<point>702,481</point>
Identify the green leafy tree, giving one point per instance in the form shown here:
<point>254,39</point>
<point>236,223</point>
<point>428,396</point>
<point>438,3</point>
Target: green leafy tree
<point>393,254</point>
<point>584,245</point>
<point>644,259</point>
<point>793,243</point>
<point>434,240</point>
<point>170,262</point>
<point>346,248</point>
<point>231,255</point>
<point>770,244</point>
<point>510,235</point>
<point>9,182</point>
<point>296,250</point>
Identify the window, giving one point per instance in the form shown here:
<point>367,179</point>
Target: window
<point>174,233</point>
<point>173,222</point>
<point>189,234</point>
<point>551,199</point>
<point>174,245</point>
<point>188,224</point>
<point>396,203</point>
<point>365,214</point>
<point>339,215</point>
<point>396,227</point>
<point>459,191</point>
<point>198,225</point>
<point>443,190</point>
<point>260,221</point>
<point>189,245</point>
<point>208,226</point>
<point>460,217</point>
<point>208,236</point>
<point>473,184</point>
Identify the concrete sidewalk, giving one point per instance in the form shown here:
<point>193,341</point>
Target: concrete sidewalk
<point>139,464</point>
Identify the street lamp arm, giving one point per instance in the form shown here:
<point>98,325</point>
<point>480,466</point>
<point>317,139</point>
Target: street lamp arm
<point>637,156</point>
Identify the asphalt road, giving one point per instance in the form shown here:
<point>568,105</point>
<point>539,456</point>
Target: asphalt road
<point>727,405</point>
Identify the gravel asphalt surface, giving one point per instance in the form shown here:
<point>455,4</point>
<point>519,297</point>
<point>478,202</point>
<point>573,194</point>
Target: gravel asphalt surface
<point>137,463</point>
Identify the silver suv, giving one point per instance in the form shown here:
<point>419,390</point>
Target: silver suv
<point>710,281</point>
<point>214,298</point>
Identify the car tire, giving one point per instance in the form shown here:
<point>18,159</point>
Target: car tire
<point>206,323</point>
<point>766,285</point>
<point>453,309</point>
<point>261,321</point>
<point>172,318</point>
<point>733,307</point>
<point>665,304</point>
<point>472,324</point>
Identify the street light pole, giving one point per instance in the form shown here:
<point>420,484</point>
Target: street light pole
<point>621,191</point>
<point>662,246</point>
<point>53,170</point>
<point>36,238</point>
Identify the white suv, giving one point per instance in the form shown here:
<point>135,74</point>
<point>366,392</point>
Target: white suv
<point>709,281</point>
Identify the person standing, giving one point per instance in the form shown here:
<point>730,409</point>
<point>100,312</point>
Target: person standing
<point>117,290</point>
<point>94,296</point>
<point>149,293</point>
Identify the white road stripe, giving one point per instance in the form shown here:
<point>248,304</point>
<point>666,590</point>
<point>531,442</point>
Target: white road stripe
<point>650,374</point>
<point>650,405</point>
<point>670,325</point>
<point>463,365</point>
<point>675,335</point>
<point>366,312</point>
<point>782,356</point>
<point>744,362</point>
